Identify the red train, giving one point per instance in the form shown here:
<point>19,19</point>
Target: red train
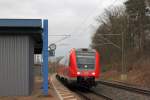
<point>81,66</point>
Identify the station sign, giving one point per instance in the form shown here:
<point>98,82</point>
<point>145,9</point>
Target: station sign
<point>52,48</point>
<point>51,52</point>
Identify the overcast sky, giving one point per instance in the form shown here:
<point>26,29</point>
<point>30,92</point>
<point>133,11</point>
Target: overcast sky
<point>70,17</point>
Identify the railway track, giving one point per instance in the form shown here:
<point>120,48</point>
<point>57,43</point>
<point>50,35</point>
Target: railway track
<point>127,87</point>
<point>91,95</point>
<point>103,92</point>
<point>101,95</point>
<point>85,93</point>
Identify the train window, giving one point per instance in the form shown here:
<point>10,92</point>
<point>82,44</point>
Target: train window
<point>86,62</point>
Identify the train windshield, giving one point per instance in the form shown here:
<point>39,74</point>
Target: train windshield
<point>86,61</point>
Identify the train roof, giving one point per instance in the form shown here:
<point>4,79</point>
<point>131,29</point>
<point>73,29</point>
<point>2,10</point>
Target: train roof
<point>85,49</point>
<point>81,51</point>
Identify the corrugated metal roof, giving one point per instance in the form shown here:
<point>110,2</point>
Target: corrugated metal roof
<point>20,23</point>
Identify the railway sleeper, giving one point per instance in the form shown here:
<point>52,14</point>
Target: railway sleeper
<point>86,81</point>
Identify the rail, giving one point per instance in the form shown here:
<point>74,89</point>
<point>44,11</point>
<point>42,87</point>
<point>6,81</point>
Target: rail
<point>128,87</point>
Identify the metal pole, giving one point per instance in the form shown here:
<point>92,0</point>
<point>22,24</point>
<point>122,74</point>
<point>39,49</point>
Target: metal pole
<point>45,57</point>
<point>123,64</point>
<point>123,75</point>
<point>122,55</point>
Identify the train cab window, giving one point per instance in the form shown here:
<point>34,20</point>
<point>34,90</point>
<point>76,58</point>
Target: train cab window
<point>86,60</point>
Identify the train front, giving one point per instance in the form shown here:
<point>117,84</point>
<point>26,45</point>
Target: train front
<point>88,67</point>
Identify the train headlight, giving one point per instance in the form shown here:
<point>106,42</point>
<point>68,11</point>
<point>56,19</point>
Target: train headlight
<point>78,73</point>
<point>93,73</point>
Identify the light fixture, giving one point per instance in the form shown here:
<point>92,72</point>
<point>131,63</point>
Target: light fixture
<point>78,73</point>
<point>93,73</point>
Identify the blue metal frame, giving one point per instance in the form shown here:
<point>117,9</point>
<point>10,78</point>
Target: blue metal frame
<point>45,57</point>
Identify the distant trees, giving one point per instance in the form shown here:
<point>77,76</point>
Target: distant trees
<point>107,38</point>
<point>130,22</point>
<point>137,22</point>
